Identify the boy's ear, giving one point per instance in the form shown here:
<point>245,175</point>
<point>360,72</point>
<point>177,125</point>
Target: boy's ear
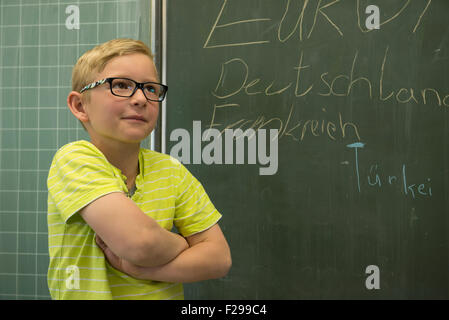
<point>76,106</point>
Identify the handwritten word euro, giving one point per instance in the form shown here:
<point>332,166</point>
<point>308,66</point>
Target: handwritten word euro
<point>300,18</point>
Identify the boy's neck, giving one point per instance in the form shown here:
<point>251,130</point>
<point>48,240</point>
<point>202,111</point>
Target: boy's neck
<point>123,156</point>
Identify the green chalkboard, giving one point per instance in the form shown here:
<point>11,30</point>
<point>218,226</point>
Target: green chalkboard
<point>357,206</point>
<point>40,41</point>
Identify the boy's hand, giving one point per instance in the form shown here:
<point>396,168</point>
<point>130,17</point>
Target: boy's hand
<point>208,257</point>
<point>118,263</point>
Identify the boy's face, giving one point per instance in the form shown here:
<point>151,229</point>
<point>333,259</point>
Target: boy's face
<point>120,119</point>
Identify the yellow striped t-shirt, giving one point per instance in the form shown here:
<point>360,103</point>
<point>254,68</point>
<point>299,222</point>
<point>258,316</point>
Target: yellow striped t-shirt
<point>79,174</point>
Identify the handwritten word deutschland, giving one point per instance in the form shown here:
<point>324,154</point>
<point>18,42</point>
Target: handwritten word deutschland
<point>337,84</point>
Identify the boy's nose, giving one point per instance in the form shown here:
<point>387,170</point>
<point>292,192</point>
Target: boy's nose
<point>138,97</point>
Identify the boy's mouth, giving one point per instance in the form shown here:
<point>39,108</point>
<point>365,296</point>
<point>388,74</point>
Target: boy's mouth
<point>135,117</point>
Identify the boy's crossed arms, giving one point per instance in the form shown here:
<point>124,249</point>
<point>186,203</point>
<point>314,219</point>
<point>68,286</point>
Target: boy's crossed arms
<point>137,245</point>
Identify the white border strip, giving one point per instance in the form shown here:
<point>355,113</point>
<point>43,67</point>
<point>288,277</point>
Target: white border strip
<point>164,74</point>
<point>153,50</point>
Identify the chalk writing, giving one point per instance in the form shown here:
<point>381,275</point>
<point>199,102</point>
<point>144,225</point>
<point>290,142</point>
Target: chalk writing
<point>338,85</point>
<point>238,77</point>
<point>308,12</point>
<point>376,178</point>
<point>296,130</point>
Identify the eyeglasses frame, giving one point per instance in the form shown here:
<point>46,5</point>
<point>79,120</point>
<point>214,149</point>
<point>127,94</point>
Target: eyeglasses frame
<point>139,85</point>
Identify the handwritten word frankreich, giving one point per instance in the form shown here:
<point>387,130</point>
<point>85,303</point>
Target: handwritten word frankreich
<point>290,126</point>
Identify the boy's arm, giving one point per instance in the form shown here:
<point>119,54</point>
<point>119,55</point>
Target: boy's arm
<point>208,257</point>
<point>130,233</point>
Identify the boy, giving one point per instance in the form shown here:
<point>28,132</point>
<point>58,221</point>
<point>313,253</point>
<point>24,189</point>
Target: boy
<point>112,204</point>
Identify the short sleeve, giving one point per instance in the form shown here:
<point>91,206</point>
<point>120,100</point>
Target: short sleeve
<point>194,212</point>
<point>79,174</point>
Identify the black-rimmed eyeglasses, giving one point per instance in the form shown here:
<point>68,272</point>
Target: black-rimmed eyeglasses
<point>124,87</point>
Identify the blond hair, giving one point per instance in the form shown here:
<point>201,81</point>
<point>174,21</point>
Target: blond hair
<point>94,60</point>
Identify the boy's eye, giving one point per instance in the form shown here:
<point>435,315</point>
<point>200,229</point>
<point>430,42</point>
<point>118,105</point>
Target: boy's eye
<point>122,85</point>
<point>150,88</point>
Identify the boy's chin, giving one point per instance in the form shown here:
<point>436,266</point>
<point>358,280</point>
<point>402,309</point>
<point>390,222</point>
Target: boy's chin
<point>135,135</point>
<point>134,139</point>
<point>129,137</point>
